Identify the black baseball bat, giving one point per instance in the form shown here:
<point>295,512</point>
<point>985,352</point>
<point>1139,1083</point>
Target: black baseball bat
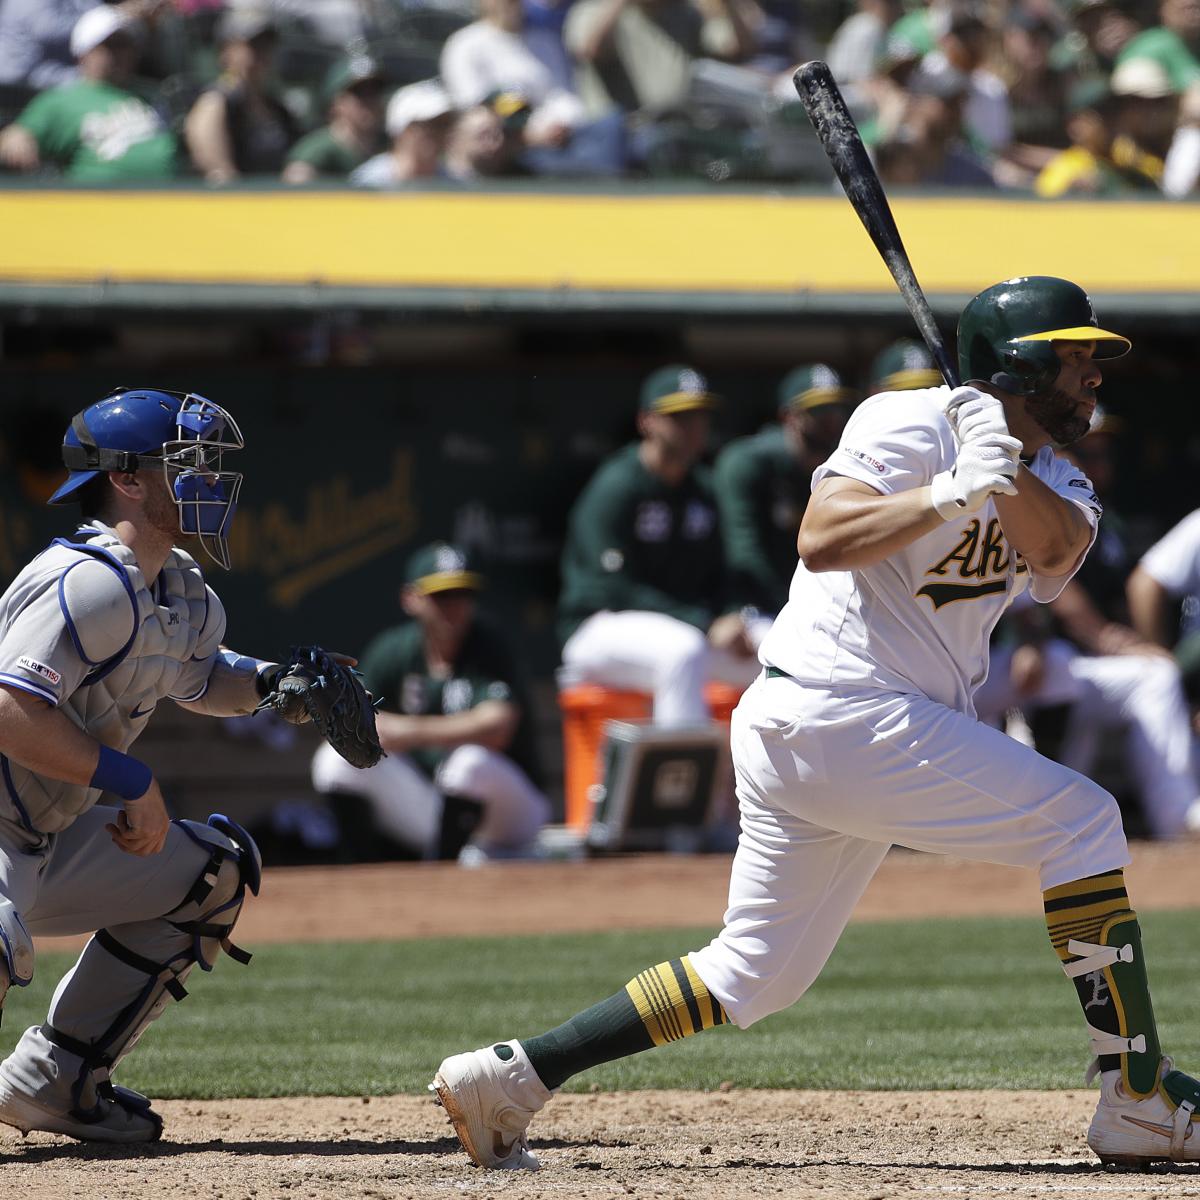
<point>839,136</point>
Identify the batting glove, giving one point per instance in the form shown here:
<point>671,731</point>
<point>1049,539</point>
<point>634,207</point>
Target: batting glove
<point>984,468</point>
<point>974,415</point>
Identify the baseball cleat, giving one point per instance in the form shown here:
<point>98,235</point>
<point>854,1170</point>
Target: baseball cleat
<point>490,1096</point>
<point>1159,1128</point>
<point>128,1118</point>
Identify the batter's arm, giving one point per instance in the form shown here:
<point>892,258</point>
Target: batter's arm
<point>1051,534</point>
<point>848,524</point>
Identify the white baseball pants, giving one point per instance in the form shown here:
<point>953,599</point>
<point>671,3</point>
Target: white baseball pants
<point>828,779</point>
<point>407,805</point>
<point>652,652</point>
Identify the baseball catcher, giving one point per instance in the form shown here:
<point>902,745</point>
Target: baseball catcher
<point>95,632</point>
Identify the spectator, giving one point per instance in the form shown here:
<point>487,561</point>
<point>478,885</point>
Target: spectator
<point>1099,162</point>
<point>1111,676</point>
<point>497,53</point>
<point>237,127</point>
<point>486,142</point>
<point>1107,27</point>
<point>419,119</point>
<point>642,572</point>
<point>1174,44</point>
<point>1181,171</point>
<point>964,45</point>
<point>94,130</point>
<point>929,146</point>
<point>35,38</point>
<point>1148,108</point>
<point>461,775</point>
<point>1037,90</point>
<point>859,41</point>
<point>1166,578</point>
<point>762,488</point>
<point>636,55</point>
<point>355,130</point>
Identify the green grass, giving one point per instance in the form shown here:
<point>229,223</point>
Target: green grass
<point>930,1004</point>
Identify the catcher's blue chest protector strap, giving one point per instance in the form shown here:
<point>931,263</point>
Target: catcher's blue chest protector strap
<point>100,670</point>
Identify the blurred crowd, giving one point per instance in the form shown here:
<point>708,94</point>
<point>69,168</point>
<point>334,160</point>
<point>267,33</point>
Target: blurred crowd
<point>1052,97</point>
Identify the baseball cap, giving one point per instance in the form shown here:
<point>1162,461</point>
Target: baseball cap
<point>96,26</point>
<point>676,389</point>
<point>424,101</point>
<point>904,366</point>
<point>512,107</point>
<point>1144,78</point>
<point>441,567</point>
<point>812,386</point>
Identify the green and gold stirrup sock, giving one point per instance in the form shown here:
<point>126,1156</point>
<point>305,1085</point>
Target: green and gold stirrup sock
<point>662,1004</point>
<point>1096,936</point>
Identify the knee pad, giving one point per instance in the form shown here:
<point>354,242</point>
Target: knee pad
<point>211,908</point>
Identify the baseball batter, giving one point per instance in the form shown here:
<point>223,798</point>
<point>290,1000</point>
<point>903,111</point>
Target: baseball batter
<point>937,508</point>
<point>94,633</point>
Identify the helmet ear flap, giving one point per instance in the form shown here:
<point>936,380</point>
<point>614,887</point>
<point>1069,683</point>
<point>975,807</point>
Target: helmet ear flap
<point>1030,369</point>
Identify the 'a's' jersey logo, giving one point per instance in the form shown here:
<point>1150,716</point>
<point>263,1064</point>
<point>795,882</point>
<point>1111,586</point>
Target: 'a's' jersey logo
<point>977,566</point>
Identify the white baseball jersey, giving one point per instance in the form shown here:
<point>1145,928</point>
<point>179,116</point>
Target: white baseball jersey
<point>919,621</point>
<point>1174,562</point>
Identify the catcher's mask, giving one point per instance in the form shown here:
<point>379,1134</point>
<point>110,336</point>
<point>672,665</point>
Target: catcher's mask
<point>179,433</point>
<point>1006,334</point>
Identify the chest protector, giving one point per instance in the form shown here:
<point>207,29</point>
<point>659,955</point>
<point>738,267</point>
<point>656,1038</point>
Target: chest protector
<point>161,646</point>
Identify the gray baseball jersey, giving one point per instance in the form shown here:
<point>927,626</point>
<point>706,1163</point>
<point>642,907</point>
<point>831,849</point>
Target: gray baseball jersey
<point>80,629</point>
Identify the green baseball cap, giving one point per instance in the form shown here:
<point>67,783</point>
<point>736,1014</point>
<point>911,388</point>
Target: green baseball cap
<point>904,366</point>
<point>512,107</point>
<point>676,389</point>
<point>441,567</point>
<point>812,386</point>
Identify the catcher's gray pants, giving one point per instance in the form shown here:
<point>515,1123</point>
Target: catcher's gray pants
<point>154,918</point>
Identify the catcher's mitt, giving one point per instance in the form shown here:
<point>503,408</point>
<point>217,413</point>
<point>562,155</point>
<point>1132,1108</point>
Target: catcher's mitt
<point>313,685</point>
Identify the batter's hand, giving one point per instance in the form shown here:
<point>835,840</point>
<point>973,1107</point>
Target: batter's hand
<point>141,826</point>
<point>975,416</point>
<point>983,468</point>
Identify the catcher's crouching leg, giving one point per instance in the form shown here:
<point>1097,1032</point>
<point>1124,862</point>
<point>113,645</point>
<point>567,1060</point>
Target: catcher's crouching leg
<point>58,1077</point>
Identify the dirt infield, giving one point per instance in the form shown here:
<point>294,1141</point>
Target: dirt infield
<point>728,1144</point>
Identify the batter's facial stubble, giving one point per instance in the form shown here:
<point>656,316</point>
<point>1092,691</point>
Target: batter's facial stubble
<point>1057,414</point>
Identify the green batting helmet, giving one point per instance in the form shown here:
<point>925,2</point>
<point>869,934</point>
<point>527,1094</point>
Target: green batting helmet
<point>1006,333</point>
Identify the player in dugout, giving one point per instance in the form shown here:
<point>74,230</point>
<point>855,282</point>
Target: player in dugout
<point>643,577</point>
<point>461,779</point>
<point>936,510</point>
<point>762,487</point>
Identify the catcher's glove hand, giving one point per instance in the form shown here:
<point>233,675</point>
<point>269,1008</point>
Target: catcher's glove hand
<point>313,685</point>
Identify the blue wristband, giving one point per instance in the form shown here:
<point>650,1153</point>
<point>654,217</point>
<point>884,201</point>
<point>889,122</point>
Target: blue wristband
<point>121,774</point>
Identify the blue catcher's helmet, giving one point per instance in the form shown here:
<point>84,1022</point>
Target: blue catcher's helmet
<point>179,433</point>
